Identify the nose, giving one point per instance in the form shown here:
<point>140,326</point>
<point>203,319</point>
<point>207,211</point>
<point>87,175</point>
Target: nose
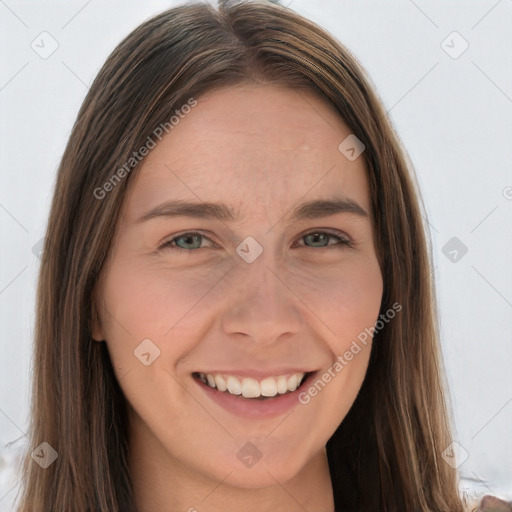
<point>264,308</point>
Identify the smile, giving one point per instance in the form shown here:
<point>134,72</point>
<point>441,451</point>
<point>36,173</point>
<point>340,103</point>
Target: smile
<point>255,398</point>
<point>253,388</point>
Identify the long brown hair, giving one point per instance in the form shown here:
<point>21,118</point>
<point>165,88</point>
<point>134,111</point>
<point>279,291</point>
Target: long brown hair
<point>386,454</point>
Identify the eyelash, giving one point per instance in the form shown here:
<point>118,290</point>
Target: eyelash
<point>343,242</point>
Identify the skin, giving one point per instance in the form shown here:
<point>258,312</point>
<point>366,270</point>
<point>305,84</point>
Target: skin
<point>263,149</point>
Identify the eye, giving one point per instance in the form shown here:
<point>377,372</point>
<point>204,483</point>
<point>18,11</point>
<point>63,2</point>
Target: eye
<point>322,239</point>
<point>185,242</point>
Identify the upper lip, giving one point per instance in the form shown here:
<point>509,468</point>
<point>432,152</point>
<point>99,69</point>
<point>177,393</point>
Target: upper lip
<point>256,374</point>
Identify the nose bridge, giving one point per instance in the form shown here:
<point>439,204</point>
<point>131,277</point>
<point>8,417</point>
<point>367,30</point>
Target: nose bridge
<point>263,306</point>
<point>264,281</point>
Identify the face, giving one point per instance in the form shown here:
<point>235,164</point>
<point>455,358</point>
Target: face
<point>259,295</point>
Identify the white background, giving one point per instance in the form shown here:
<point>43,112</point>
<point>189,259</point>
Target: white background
<point>454,116</point>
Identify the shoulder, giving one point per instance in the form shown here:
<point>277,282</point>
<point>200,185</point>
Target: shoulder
<point>490,503</point>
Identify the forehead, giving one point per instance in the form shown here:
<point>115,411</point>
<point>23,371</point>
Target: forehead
<point>260,146</point>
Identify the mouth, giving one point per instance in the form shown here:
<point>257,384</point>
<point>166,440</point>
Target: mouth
<point>256,397</point>
<point>251,388</point>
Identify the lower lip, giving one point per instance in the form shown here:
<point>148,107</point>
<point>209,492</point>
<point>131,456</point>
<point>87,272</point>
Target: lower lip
<point>254,408</point>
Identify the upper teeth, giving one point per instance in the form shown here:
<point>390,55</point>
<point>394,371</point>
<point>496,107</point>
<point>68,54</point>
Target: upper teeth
<point>252,388</point>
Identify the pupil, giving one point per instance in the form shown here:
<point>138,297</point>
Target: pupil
<point>188,239</point>
<point>317,237</point>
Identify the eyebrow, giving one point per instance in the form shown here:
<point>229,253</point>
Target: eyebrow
<point>220,211</point>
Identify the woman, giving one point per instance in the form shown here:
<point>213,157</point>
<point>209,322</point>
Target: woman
<point>289,360</point>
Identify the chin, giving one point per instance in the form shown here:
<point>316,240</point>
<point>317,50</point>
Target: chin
<point>281,466</point>
<point>261,476</point>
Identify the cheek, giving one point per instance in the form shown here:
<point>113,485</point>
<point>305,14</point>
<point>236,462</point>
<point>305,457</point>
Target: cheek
<point>167,307</point>
<point>151,301</point>
<point>347,302</point>
<point>346,298</point>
